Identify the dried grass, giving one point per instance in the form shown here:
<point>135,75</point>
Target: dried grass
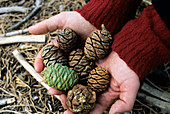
<point>15,81</point>
<point>30,96</point>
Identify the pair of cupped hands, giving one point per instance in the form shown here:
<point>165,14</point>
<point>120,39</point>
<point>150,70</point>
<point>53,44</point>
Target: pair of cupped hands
<point>124,83</point>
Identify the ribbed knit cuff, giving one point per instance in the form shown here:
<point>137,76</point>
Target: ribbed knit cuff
<point>112,13</point>
<point>143,43</point>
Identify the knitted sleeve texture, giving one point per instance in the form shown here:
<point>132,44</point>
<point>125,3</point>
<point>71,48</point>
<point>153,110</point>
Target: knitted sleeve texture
<point>112,13</point>
<point>143,42</point>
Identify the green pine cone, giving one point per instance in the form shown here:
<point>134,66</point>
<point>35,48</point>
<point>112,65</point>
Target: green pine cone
<point>60,77</point>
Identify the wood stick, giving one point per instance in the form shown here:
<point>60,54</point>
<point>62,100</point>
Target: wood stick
<point>148,2</point>
<point>10,111</point>
<point>61,8</point>
<point>35,10</point>
<point>165,106</point>
<point>13,9</point>
<point>7,92</point>
<point>7,101</point>
<point>38,2</point>
<point>155,92</point>
<point>21,2</point>
<point>51,3</point>
<point>153,85</point>
<point>15,33</point>
<point>31,70</point>
<point>22,38</point>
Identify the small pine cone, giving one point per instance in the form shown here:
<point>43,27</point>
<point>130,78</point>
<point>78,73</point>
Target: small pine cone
<point>52,55</point>
<point>80,64</point>
<point>67,39</point>
<point>60,77</point>
<point>97,45</point>
<point>81,99</point>
<point>98,79</point>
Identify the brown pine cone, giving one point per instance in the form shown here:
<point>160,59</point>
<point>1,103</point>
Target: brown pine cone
<point>98,79</point>
<point>67,39</point>
<point>97,45</point>
<point>81,99</point>
<point>52,55</point>
<point>81,64</point>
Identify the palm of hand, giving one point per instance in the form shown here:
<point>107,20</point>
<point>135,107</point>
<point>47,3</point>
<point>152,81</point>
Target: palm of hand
<point>124,82</point>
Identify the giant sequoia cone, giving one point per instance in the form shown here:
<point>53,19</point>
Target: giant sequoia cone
<point>52,55</point>
<point>81,99</point>
<point>97,45</point>
<point>99,79</point>
<point>80,63</point>
<point>60,77</point>
<point>67,39</point>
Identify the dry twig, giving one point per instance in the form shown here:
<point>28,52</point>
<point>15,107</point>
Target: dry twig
<point>51,3</point>
<point>7,101</point>
<point>13,9</point>
<point>164,106</point>
<point>148,2</point>
<point>21,2</point>
<point>15,33</point>
<point>22,38</point>
<point>31,70</point>
<point>37,2</point>
<point>25,19</point>
<point>10,111</point>
<point>155,92</point>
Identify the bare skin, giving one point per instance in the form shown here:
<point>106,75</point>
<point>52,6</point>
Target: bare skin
<point>124,82</point>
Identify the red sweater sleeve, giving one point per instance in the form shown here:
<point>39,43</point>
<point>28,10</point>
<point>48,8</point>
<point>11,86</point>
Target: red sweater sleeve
<point>112,13</point>
<point>143,42</point>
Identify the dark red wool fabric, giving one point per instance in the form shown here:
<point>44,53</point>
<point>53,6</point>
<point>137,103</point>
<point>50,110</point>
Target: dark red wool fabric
<point>143,43</point>
<point>112,13</point>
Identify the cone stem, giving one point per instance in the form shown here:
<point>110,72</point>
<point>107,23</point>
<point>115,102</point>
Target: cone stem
<point>103,27</point>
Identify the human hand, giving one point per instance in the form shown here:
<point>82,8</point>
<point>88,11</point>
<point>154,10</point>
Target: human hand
<point>71,20</point>
<point>124,81</point>
<point>124,84</point>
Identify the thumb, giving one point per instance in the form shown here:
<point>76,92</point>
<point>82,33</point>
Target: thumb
<point>68,112</point>
<point>51,24</point>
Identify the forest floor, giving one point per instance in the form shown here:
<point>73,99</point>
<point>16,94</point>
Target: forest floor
<point>24,93</point>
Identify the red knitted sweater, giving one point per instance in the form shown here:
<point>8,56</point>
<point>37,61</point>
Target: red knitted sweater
<point>142,43</point>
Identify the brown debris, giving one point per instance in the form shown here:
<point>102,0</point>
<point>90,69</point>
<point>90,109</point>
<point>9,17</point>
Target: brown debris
<point>16,82</point>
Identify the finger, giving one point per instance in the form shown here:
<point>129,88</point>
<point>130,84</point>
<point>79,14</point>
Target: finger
<point>38,65</point>
<point>104,100</point>
<point>47,25</point>
<point>53,91</point>
<point>127,97</point>
<point>63,99</point>
<point>68,112</point>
